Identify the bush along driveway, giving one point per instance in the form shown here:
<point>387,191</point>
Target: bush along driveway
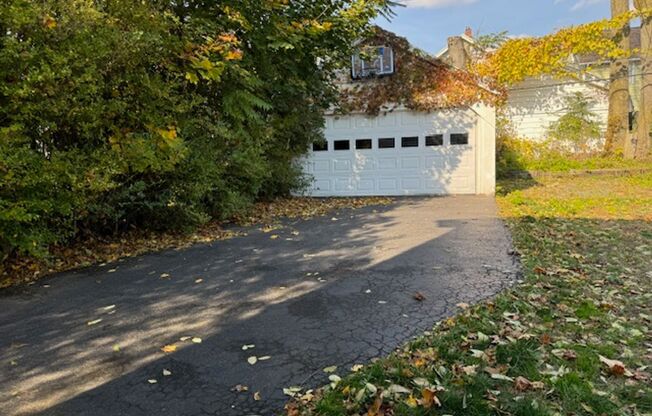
<point>574,338</point>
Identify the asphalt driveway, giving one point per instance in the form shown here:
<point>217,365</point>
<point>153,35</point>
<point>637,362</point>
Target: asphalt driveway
<point>336,290</point>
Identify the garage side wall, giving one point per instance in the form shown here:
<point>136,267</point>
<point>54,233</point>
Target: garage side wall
<point>404,152</point>
<point>486,150</point>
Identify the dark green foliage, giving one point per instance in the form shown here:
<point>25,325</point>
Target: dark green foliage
<point>158,114</point>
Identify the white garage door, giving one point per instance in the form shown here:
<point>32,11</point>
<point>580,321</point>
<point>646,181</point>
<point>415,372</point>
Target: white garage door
<point>401,153</point>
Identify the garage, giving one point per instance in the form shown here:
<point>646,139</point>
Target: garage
<point>405,152</point>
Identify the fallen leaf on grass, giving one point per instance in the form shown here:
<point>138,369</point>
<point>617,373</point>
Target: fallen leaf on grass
<point>397,389</point>
<point>616,367</point>
<point>357,367</point>
<point>522,384</point>
<point>374,409</point>
<point>498,376</point>
<point>411,402</point>
<point>429,398</point>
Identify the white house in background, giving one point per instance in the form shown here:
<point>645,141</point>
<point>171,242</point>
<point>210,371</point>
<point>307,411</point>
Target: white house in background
<point>402,151</point>
<point>534,104</point>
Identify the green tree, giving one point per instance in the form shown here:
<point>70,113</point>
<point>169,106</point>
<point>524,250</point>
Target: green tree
<point>578,127</point>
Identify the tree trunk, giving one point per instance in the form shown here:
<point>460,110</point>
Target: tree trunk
<point>618,121</point>
<point>644,122</point>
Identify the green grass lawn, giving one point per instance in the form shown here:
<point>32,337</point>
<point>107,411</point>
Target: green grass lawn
<point>574,338</point>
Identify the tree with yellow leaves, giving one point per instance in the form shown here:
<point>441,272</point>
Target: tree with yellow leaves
<point>521,58</point>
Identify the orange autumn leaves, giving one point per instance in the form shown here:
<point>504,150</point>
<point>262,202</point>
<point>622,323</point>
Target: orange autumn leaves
<point>420,83</point>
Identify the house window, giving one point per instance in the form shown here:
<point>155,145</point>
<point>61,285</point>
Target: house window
<point>320,146</point>
<point>435,140</point>
<point>459,138</point>
<point>410,141</point>
<point>386,143</point>
<point>371,61</point>
<point>341,144</point>
<point>363,144</point>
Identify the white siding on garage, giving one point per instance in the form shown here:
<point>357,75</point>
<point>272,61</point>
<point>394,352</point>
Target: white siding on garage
<point>421,170</point>
<point>535,103</point>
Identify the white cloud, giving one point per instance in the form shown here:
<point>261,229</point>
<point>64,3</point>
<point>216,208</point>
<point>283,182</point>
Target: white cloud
<point>437,3</point>
<point>581,4</point>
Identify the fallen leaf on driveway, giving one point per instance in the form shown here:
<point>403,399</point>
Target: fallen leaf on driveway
<point>257,396</point>
<point>152,381</point>
<point>95,322</point>
<point>169,348</point>
<point>167,372</point>
<point>252,360</point>
<point>419,297</point>
<point>330,369</point>
<point>240,388</point>
<point>291,391</point>
<point>462,305</point>
<point>247,347</point>
<point>264,358</point>
<point>165,276</point>
<point>274,237</point>
<point>196,340</point>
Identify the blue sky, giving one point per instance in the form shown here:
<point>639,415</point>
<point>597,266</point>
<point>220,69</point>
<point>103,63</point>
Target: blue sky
<point>428,23</point>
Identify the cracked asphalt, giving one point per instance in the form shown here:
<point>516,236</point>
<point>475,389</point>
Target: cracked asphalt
<point>335,290</point>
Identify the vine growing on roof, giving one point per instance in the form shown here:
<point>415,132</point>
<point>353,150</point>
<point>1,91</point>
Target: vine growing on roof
<point>420,82</point>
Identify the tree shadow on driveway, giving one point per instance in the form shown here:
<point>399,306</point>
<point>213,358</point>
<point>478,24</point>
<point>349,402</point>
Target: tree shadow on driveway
<point>335,290</point>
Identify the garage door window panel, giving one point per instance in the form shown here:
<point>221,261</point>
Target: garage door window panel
<point>342,145</point>
<point>363,144</point>
<point>386,143</point>
<point>412,141</point>
<point>459,139</point>
<point>320,146</point>
<point>435,140</point>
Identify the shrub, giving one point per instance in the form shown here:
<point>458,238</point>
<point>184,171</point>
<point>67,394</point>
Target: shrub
<point>158,114</point>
